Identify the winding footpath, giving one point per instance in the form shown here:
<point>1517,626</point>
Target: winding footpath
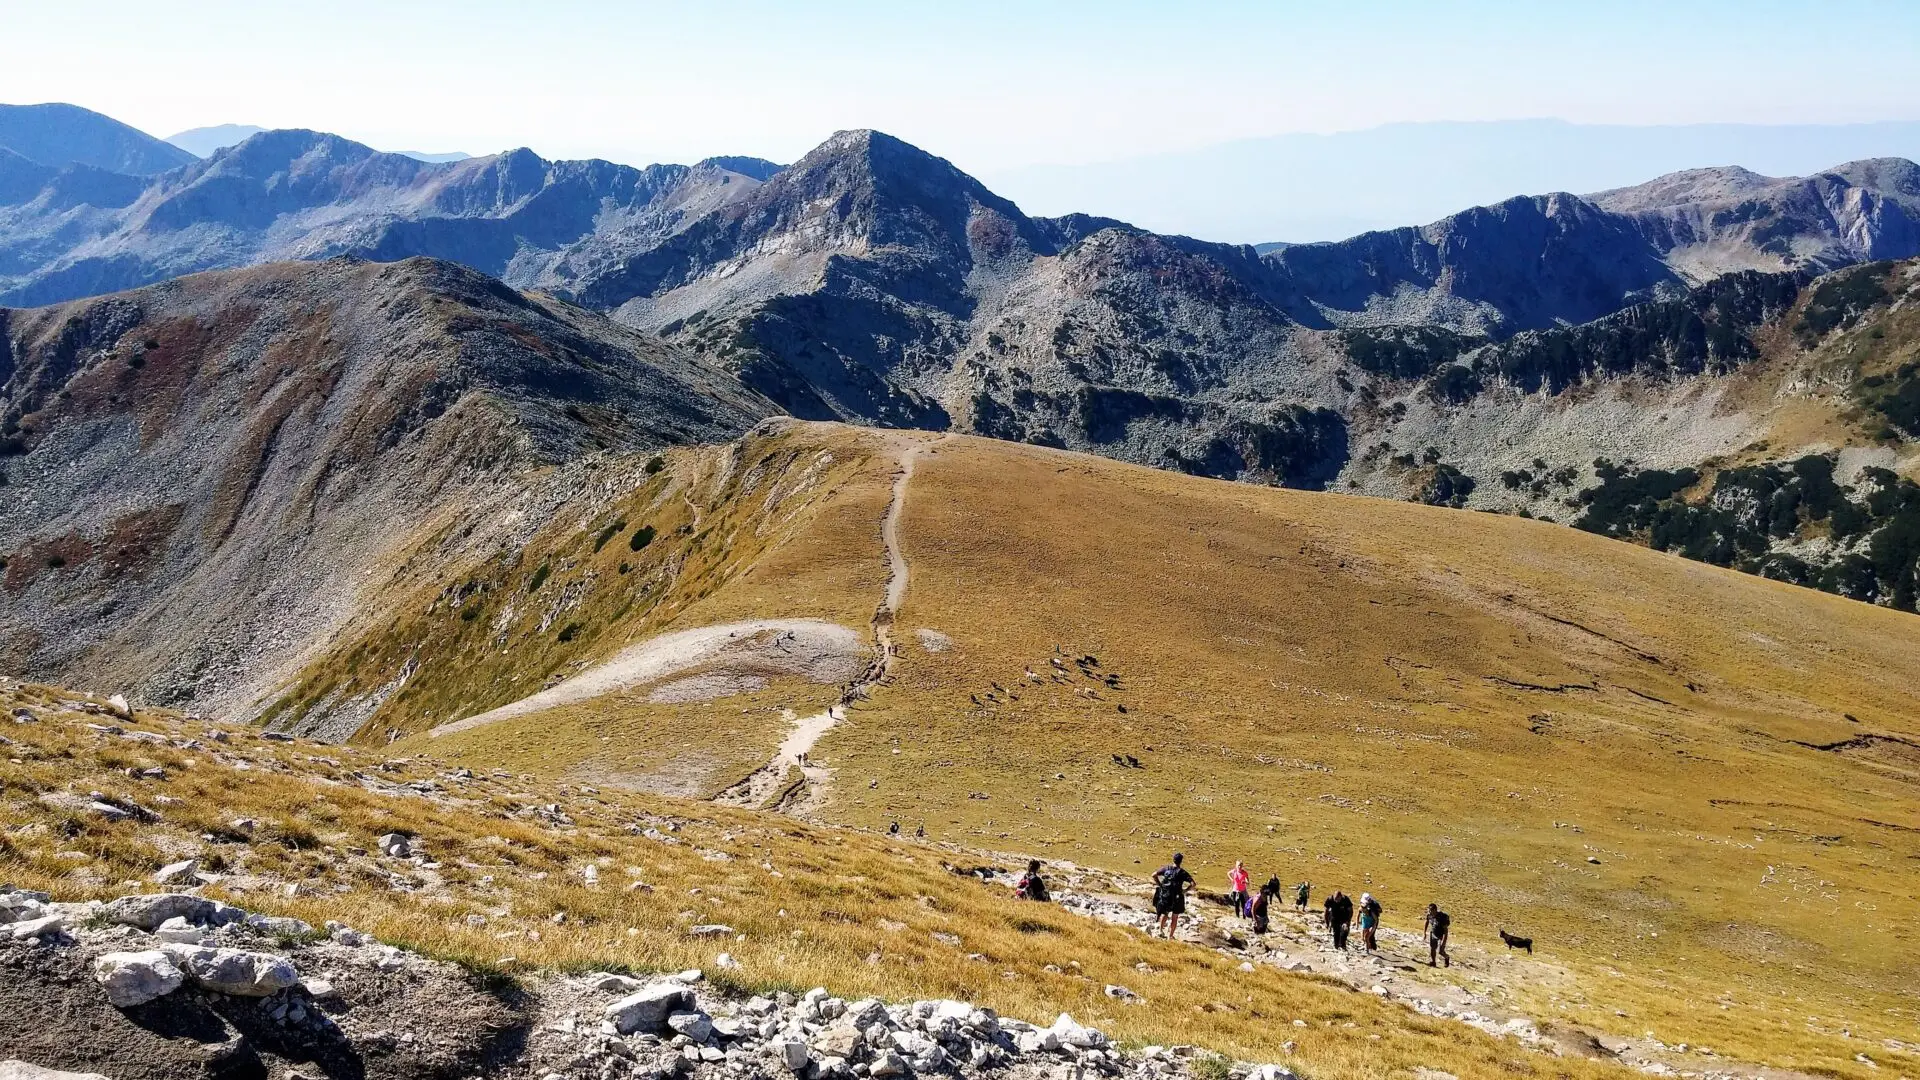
<point>764,787</point>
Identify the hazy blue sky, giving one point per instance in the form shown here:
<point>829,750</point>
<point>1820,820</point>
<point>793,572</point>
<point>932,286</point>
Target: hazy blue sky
<point>991,86</point>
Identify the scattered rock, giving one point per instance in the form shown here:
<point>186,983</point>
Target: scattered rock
<point>647,1010</point>
<point>20,1070</point>
<point>177,873</point>
<point>44,926</point>
<point>149,911</point>
<point>135,978</point>
<point>233,971</point>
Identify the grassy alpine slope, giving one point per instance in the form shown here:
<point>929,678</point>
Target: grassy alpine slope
<point>1694,788</point>
<point>817,905</point>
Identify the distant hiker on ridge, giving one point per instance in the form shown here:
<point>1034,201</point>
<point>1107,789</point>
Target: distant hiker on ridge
<point>1438,923</point>
<point>1170,885</point>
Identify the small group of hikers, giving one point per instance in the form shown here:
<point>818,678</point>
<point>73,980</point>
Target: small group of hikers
<point>1339,913</point>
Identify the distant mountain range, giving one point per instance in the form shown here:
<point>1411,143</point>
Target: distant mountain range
<point>57,136</point>
<point>1293,188</point>
<point>203,141</point>
<point>1554,342</point>
<point>876,283</point>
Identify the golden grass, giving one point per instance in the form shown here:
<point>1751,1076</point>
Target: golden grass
<point>817,905</point>
<point>1425,703</point>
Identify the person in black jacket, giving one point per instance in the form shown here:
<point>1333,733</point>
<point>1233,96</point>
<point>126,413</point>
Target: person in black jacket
<point>1339,916</point>
<point>1170,885</point>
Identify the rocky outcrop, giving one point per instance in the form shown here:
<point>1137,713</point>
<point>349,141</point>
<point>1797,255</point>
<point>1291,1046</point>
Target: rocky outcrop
<point>348,1000</point>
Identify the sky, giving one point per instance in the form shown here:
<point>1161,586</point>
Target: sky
<point>994,87</point>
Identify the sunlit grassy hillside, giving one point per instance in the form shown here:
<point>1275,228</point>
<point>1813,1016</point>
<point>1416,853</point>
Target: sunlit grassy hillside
<point>1700,790</point>
<point>520,874</point>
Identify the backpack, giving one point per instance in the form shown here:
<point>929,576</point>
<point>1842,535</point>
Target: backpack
<point>1373,908</point>
<point>1033,888</point>
<point>1166,886</point>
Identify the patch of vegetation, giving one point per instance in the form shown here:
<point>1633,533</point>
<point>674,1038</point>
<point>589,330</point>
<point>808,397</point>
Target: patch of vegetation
<point>1446,486</point>
<point>1405,352</point>
<point>1705,331</point>
<point>607,533</point>
<point>1895,398</point>
<point>1750,511</point>
<point>1841,299</point>
<point>641,537</point>
<point>539,577</point>
<point>570,631</point>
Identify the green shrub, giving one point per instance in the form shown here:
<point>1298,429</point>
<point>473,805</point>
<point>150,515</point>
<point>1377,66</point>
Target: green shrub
<point>570,631</point>
<point>642,536</point>
<point>539,578</point>
<point>607,534</point>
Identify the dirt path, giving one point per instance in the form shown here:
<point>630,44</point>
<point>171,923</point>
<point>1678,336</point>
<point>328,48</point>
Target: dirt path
<point>775,784</point>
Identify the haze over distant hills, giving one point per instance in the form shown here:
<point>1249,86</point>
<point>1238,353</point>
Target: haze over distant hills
<point>203,141</point>
<point>58,135</point>
<point>1326,187</point>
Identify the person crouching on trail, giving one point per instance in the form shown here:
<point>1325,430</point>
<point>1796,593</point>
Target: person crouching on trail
<point>1031,886</point>
<point>1237,887</point>
<point>1170,885</point>
<point>1438,923</point>
<point>1262,904</point>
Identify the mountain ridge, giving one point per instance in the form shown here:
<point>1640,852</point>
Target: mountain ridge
<point>57,135</point>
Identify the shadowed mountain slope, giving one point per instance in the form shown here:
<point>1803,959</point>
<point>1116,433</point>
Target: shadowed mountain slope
<point>59,135</point>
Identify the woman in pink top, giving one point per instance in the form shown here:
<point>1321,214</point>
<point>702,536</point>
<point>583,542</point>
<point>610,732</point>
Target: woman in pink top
<point>1237,886</point>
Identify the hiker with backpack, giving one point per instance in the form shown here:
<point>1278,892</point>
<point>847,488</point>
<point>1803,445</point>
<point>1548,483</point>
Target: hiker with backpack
<point>1170,886</point>
<point>1031,886</point>
<point>1300,896</point>
<point>1438,923</point>
<point>1369,921</point>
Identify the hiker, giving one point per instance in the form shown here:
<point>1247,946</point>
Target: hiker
<point>1258,907</point>
<point>1032,886</point>
<point>1300,897</point>
<point>1438,923</point>
<point>1339,916</point>
<point>1237,887</point>
<point>893,829</point>
<point>1369,921</point>
<point>1170,885</point>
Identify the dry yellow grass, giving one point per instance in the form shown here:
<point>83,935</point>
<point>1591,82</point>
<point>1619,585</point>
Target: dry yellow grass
<point>817,905</point>
<point>1425,703</point>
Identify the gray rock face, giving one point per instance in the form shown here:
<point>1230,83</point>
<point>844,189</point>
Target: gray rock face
<point>135,978</point>
<point>647,1010</point>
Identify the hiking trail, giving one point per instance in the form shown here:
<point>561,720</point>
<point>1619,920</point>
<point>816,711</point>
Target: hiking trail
<point>772,786</point>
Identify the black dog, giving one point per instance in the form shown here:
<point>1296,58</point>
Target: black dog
<point>1517,942</point>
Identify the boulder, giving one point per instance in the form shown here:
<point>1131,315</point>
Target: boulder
<point>180,932</point>
<point>865,1013</point>
<point>887,1065</point>
<point>609,982</point>
<point>135,978</point>
<point>839,1039</point>
<point>279,925</point>
<point>117,705</point>
<point>1037,1041</point>
<point>177,873</point>
<point>695,1025</point>
<point>148,912</point>
<point>646,1010</point>
<point>1075,1035</point>
<point>394,845</point>
<point>234,971</point>
<point>44,926</point>
<point>794,1053</point>
<point>711,930</point>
